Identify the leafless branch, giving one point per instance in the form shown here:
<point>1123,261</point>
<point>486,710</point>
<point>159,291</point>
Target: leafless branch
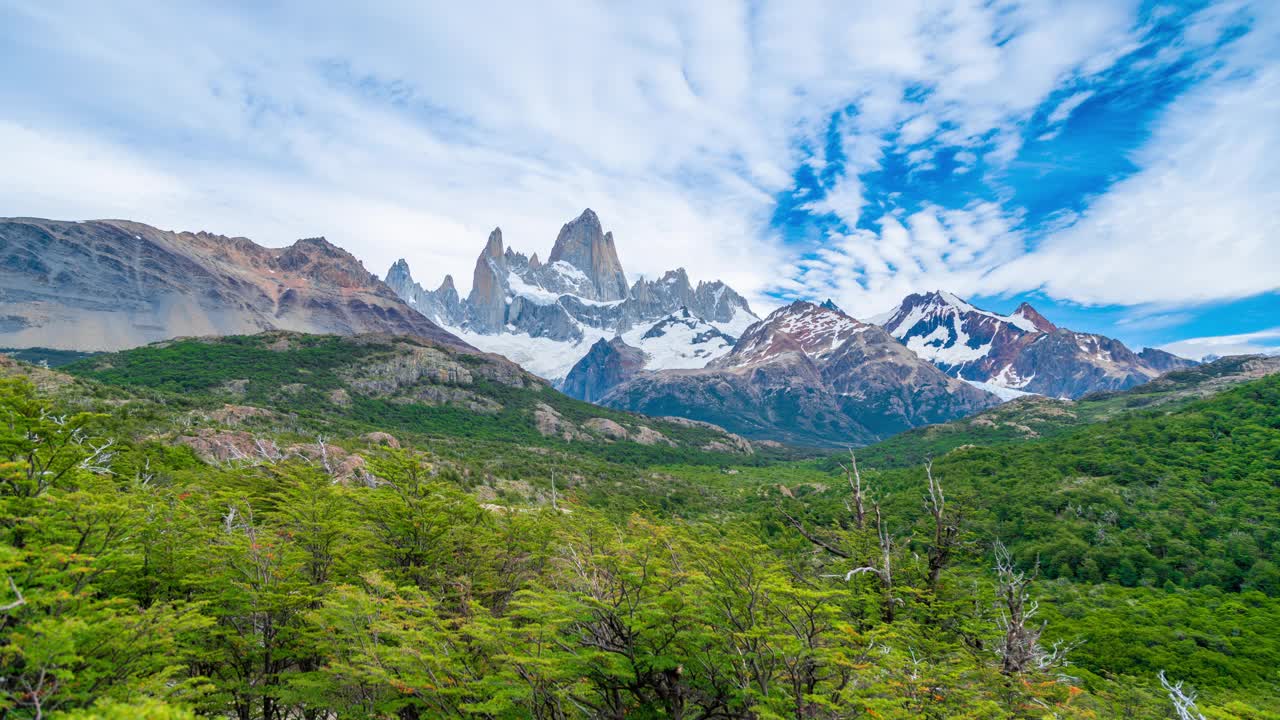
<point>855,484</point>
<point>1021,651</point>
<point>1184,703</point>
<point>324,454</point>
<point>799,526</point>
<point>18,601</point>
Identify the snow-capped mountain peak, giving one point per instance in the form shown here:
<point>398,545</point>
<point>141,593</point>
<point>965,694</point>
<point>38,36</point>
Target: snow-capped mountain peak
<point>546,315</point>
<point>948,331</point>
<point>815,330</point>
<point>1022,351</point>
<point>1027,318</point>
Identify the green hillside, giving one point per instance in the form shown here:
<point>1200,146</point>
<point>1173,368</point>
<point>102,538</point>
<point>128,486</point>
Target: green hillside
<point>301,527</point>
<point>1033,416</point>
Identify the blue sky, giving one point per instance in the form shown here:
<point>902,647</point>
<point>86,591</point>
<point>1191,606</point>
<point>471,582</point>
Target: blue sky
<point>1115,163</point>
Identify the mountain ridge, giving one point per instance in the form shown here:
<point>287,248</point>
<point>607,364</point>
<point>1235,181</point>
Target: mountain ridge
<point>113,284</point>
<point>809,375</point>
<point>1021,351</point>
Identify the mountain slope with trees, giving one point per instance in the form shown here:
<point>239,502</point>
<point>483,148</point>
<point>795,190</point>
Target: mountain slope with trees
<point>494,577</point>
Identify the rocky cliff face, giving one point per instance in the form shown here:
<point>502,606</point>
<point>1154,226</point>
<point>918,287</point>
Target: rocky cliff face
<point>546,316</point>
<point>810,375</point>
<point>606,365</point>
<point>1022,351</point>
<point>1164,361</point>
<point>112,284</point>
<point>583,244</point>
<point>486,305</point>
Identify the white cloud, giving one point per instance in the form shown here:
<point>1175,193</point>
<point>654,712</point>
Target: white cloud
<point>917,129</point>
<point>1068,106</point>
<point>867,272</point>
<point>1260,342</point>
<point>1199,222</point>
<point>412,130</point>
<point>844,200</point>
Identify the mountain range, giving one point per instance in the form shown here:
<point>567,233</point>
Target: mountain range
<point>546,316</point>
<point>667,347</point>
<point>807,373</point>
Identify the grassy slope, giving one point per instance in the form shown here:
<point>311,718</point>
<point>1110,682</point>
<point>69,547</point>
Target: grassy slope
<point>300,379</point>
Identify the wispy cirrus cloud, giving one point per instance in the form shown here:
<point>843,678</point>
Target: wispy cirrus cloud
<point>1265,342</point>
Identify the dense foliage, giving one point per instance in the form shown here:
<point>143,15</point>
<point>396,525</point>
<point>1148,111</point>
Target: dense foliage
<point>1188,498</point>
<point>142,581</point>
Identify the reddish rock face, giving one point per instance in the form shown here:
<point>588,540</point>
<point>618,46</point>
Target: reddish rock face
<point>113,284</point>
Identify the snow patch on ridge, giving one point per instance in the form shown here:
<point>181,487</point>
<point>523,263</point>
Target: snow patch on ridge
<point>1004,393</point>
<point>678,346</point>
<point>532,293</point>
<point>548,359</point>
<point>552,359</point>
<point>736,325</point>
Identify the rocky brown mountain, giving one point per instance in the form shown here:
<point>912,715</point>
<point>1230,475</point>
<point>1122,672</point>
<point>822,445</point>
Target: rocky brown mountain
<point>606,365</point>
<point>113,284</point>
<point>810,375</point>
<point>1023,351</point>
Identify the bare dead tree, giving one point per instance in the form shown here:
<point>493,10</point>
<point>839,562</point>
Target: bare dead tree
<point>324,454</point>
<point>882,570</point>
<point>1184,703</point>
<point>235,454</point>
<point>945,529</point>
<point>855,484</point>
<point>1021,651</point>
<point>99,458</point>
<point>881,567</point>
<point>144,476</point>
<point>18,600</point>
<point>229,520</point>
<point>267,450</point>
<point>886,565</point>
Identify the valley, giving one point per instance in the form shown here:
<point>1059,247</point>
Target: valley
<point>345,499</point>
<point>458,497</point>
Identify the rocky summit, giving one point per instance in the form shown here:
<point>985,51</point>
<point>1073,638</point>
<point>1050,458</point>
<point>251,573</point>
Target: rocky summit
<point>809,375</point>
<point>583,244</point>
<point>114,284</point>
<point>1022,352</point>
<point>547,316</point>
